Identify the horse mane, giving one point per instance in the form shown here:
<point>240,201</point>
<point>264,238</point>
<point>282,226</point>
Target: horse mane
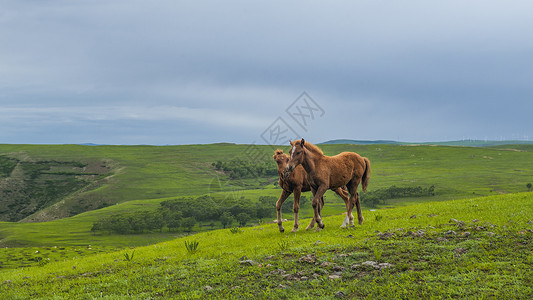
<point>313,148</point>
<point>278,152</point>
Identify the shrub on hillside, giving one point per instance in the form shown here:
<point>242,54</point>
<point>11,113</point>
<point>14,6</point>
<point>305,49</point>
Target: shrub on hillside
<point>185,213</point>
<point>379,196</point>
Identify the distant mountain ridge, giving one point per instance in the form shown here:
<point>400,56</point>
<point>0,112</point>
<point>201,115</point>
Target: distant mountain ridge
<point>468,143</point>
<point>360,142</point>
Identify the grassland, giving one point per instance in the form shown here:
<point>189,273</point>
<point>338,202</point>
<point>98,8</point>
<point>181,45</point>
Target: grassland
<point>463,143</point>
<point>454,244</point>
<point>472,248</point>
<point>140,177</point>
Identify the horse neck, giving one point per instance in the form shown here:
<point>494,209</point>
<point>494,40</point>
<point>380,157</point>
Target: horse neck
<point>281,168</point>
<point>309,161</point>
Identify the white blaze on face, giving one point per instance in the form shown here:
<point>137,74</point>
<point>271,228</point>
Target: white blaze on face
<point>292,151</point>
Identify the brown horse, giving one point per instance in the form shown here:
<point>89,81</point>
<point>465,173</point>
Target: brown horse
<point>296,183</point>
<point>331,172</point>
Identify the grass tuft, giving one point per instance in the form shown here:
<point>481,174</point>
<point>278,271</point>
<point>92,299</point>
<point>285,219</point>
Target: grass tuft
<point>129,257</point>
<point>235,230</point>
<point>191,247</point>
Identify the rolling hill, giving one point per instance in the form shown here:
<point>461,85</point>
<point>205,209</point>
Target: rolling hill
<point>125,179</point>
<point>471,248</point>
<point>47,182</point>
<point>465,143</point>
<point>469,237</point>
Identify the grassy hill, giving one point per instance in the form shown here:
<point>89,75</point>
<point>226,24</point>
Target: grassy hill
<point>27,187</point>
<point>449,243</point>
<point>140,177</point>
<point>470,248</point>
<point>137,172</point>
<point>361,142</point>
<point>464,143</point>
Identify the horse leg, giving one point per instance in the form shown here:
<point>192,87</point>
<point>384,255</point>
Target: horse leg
<point>321,206</point>
<point>352,189</point>
<point>312,224</point>
<point>284,195</point>
<point>296,207</point>
<point>313,221</point>
<point>360,218</point>
<point>344,197</point>
<point>317,207</point>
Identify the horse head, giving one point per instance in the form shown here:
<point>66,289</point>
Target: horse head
<point>280,158</point>
<point>297,155</point>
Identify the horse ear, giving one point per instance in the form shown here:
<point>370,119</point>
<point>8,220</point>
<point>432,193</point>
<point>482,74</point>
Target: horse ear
<point>302,142</point>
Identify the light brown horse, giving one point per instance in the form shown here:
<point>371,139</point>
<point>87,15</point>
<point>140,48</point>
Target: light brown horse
<point>296,183</point>
<point>331,172</point>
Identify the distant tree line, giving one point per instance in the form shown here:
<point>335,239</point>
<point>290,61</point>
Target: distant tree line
<point>136,222</point>
<point>185,213</point>
<point>379,196</point>
<point>240,169</point>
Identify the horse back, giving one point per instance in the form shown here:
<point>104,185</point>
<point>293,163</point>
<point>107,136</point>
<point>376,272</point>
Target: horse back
<point>348,160</point>
<point>344,167</point>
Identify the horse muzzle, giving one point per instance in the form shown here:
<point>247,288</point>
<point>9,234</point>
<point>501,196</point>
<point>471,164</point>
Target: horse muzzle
<point>287,172</point>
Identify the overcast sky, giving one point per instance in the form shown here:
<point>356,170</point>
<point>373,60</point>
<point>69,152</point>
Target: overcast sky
<point>184,72</point>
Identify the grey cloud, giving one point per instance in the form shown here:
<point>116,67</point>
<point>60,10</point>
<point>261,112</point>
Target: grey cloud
<point>410,69</point>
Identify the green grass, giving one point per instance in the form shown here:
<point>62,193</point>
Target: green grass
<point>76,231</point>
<point>11,258</point>
<point>143,176</point>
<point>489,256</point>
<point>151,172</point>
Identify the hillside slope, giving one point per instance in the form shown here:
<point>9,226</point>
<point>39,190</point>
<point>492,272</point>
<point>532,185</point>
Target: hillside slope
<point>72,179</point>
<point>127,173</point>
<point>471,248</point>
<point>28,187</point>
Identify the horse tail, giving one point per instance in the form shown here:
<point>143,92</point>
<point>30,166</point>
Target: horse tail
<point>366,174</point>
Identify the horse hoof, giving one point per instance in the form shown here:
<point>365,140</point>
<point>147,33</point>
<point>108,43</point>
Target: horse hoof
<point>317,229</point>
<point>294,230</point>
<point>282,230</point>
<point>321,226</point>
